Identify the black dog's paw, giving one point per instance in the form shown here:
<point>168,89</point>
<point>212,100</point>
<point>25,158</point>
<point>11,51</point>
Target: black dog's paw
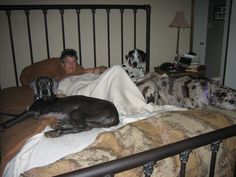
<point>55,125</point>
<point>53,133</point>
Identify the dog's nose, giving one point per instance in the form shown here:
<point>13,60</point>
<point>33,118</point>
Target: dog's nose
<point>44,92</point>
<point>135,64</point>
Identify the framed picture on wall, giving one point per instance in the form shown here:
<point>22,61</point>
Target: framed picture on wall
<point>219,12</point>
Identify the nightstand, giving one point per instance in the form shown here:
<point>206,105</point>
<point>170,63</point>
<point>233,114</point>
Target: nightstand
<point>198,73</point>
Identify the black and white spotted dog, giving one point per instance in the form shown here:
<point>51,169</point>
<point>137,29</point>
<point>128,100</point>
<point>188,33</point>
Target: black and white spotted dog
<point>74,113</point>
<point>188,92</point>
<point>135,63</point>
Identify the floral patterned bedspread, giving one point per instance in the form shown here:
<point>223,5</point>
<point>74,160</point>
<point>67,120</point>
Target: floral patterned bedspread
<point>151,133</point>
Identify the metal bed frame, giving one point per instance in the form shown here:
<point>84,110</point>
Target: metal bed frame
<point>45,8</point>
<point>148,158</point>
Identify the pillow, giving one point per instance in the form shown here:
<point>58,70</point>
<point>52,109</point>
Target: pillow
<point>15,137</point>
<point>49,67</point>
<point>15,99</point>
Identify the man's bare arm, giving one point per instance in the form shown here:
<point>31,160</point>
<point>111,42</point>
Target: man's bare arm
<point>80,70</point>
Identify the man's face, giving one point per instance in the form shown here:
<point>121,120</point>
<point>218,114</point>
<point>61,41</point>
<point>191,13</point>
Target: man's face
<point>69,65</point>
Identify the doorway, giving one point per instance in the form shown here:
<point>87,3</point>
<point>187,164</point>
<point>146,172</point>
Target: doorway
<point>208,34</point>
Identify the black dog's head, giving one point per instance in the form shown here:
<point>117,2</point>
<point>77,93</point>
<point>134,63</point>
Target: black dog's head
<point>136,58</point>
<point>44,87</point>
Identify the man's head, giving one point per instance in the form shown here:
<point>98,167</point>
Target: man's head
<point>69,60</point>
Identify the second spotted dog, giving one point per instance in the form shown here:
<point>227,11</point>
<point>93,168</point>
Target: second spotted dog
<point>188,92</point>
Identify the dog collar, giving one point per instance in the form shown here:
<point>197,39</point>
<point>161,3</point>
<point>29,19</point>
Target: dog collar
<point>206,91</point>
<point>36,98</point>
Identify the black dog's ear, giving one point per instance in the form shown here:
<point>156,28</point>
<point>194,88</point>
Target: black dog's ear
<point>32,83</point>
<point>33,86</point>
<point>55,86</point>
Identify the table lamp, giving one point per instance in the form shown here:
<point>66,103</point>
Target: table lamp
<point>179,22</point>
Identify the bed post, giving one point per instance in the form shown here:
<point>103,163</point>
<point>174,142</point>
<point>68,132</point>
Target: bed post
<point>122,33</point>
<point>27,12</point>
<point>148,168</point>
<point>8,12</point>
<point>46,31</point>
<point>148,23</point>
<point>94,37</point>
<point>79,36</point>
<point>135,14</point>
<point>183,156</point>
<point>108,37</point>
<point>63,28</point>
<point>214,148</point>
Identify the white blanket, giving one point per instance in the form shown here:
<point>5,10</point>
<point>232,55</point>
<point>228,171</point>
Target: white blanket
<point>113,85</point>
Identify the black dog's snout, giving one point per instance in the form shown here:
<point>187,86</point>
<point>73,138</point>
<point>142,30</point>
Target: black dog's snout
<point>44,91</point>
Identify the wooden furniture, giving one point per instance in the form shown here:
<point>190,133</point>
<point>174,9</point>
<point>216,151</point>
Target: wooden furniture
<point>198,73</point>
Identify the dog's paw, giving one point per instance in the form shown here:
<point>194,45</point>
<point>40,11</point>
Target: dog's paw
<point>55,125</point>
<point>53,133</point>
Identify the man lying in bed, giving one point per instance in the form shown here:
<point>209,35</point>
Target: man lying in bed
<point>112,84</point>
<point>14,100</point>
<point>70,67</point>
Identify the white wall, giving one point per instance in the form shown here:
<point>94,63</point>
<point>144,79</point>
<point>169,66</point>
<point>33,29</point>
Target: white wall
<point>163,38</point>
<point>230,72</point>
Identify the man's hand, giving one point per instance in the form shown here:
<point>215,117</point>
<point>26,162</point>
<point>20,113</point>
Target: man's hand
<point>99,70</point>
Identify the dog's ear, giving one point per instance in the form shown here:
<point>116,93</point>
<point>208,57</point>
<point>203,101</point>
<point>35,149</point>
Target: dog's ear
<point>131,52</point>
<point>126,57</point>
<point>144,56</point>
<point>33,86</point>
<point>55,86</point>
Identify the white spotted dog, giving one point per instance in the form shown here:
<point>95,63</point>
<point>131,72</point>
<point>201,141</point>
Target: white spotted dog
<point>135,64</point>
<point>188,92</point>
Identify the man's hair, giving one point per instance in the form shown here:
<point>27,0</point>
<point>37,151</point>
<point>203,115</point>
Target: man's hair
<point>68,52</point>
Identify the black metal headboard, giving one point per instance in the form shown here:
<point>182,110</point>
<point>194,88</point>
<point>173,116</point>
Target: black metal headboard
<point>92,8</point>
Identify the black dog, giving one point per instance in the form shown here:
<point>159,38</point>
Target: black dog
<point>80,113</point>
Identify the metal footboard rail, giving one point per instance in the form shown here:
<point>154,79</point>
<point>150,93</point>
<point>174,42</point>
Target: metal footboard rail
<point>148,158</point>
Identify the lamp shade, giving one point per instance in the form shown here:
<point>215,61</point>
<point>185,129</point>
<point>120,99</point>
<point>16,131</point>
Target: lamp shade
<point>179,21</point>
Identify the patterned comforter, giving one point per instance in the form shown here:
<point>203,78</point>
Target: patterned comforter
<point>154,132</point>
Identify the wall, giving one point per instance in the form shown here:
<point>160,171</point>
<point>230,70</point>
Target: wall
<point>163,38</point>
<point>230,72</point>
